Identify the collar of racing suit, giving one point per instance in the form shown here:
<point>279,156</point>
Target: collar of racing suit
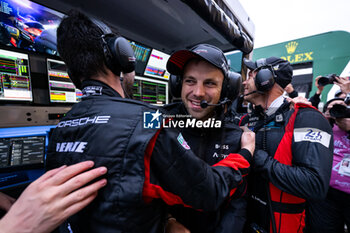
<point>261,118</point>
<point>274,106</point>
<point>95,87</point>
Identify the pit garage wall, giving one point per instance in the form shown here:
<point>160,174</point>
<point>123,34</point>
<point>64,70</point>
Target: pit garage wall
<point>328,52</point>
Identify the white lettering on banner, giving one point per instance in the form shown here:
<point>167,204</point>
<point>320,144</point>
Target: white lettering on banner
<point>312,135</point>
<point>192,123</point>
<point>84,121</point>
<point>71,147</point>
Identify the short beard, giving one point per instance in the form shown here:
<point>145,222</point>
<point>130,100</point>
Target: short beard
<point>128,85</point>
<point>128,89</point>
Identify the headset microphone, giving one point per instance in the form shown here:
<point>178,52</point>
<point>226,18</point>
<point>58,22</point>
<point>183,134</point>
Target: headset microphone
<point>250,93</point>
<point>205,104</point>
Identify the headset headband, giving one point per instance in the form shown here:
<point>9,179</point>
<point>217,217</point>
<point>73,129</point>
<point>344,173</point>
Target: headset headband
<point>260,63</point>
<point>102,26</point>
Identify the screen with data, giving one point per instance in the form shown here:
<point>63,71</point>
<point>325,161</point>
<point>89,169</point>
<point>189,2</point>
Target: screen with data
<point>156,65</point>
<point>142,54</point>
<point>150,90</point>
<point>15,76</point>
<point>61,87</point>
<point>22,154</point>
<point>23,145</point>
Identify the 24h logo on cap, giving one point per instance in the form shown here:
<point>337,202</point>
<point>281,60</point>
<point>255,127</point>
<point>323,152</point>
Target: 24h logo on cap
<point>152,120</point>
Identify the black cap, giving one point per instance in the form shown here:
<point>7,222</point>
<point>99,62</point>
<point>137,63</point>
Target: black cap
<point>282,69</point>
<point>209,53</point>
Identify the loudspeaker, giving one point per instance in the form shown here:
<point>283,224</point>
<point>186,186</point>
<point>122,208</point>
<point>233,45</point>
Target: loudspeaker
<point>119,56</point>
<point>265,78</point>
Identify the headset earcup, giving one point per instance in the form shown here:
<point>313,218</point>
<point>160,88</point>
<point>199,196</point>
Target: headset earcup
<point>119,55</point>
<point>264,80</point>
<point>122,55</point>
<point>175,85</point>
<point>231,86</point>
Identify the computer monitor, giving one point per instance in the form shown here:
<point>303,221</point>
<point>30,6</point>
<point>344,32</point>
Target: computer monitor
<point>234,59</point>
<point>22,154</point>
<point>28,25</point>
<point>151,91</point>
<point>15,76</point>
<point>61,87</point>
<point>156,66</point>
<point>142,53</point>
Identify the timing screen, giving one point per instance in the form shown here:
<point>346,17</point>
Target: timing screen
<point>22,151</point>
<point>61,86</point>
<point>15,77</point>
<point>150,91</point>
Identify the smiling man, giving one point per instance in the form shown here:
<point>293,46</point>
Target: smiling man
<point>201,81</point>
<point>206,86</point>
<point>147,167</point>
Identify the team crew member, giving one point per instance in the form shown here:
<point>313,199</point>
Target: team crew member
<point>146,167</point>
<point>299,143</point>
<point>201,76</point>
<point>330,215</point>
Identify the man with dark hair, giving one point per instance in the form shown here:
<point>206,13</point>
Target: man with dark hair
<point>299,146</point>
<point>202,77</point>
<point>146,167</point>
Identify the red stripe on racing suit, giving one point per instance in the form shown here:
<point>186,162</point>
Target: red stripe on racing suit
<point>287,222</point>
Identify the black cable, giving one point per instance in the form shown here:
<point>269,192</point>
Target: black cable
<point>273,222</point>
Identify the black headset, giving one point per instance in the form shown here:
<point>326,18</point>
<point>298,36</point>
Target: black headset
<point>265,78</point>
<point>118,54</point>
<point>230,86</point>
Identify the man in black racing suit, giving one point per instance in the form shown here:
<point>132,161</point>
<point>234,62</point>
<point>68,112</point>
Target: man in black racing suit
<point>202,72</point>
<point>299,146</point>
<point>147,168</point>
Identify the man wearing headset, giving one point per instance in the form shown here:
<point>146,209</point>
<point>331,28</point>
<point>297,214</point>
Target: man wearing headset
<point>147,168</point>
<point>201,77</point>
<point>299,146</point>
